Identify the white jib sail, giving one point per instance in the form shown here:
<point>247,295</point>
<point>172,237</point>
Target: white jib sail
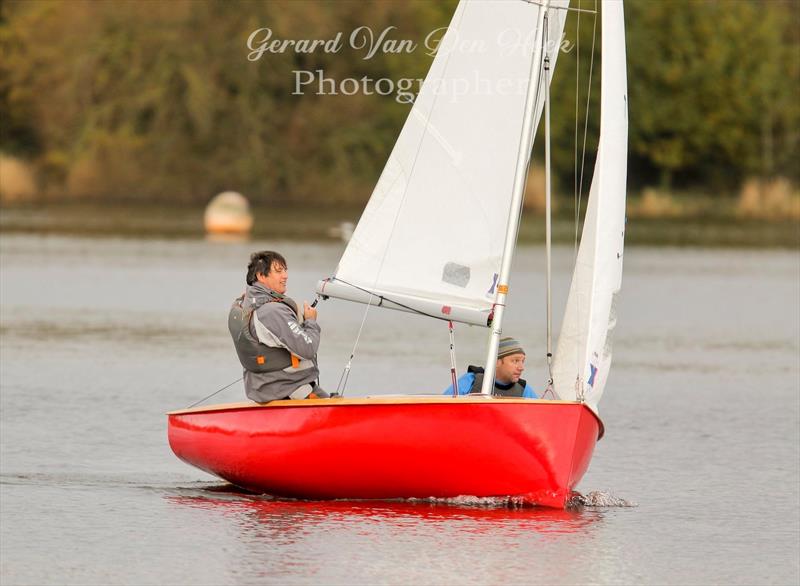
<point>431,237</point>
<point>583,355</point>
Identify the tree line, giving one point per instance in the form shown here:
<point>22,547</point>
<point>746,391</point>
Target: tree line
<point>158,101</point>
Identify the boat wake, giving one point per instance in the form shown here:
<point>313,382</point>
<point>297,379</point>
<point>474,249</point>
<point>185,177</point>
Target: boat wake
<point>593,499</point>
<point>488,502</point>
<point>597,498</point>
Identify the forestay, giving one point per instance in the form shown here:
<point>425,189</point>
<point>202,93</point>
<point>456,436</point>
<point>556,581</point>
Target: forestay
<point>583,355</point>
<point>431,237</point>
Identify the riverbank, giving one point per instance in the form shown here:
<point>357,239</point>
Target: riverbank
<point>320,224</point>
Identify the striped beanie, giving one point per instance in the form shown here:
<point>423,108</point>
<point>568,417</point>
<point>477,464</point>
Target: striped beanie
<point>509,346</point>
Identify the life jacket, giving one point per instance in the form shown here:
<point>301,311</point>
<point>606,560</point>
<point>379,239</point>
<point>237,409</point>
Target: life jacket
<point>255,356</point>
<point>516,389</point>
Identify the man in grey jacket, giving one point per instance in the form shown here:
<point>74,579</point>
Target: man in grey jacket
<point>276,343</point>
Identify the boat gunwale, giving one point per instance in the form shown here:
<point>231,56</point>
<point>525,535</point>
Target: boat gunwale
<point>382,401</point>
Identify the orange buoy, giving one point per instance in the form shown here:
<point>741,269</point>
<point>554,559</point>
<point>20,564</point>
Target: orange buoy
<point>228,213</point>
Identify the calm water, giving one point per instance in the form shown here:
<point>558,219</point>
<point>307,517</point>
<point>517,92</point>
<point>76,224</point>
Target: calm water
<point>100,337</point>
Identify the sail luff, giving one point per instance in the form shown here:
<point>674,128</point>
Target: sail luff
<point>583,354</point>
<point>515,211</point>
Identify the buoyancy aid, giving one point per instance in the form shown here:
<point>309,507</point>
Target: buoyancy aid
<point>254,355</point>
<point>516,389</point>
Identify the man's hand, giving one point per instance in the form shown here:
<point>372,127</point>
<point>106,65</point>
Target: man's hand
<point>308,311</point>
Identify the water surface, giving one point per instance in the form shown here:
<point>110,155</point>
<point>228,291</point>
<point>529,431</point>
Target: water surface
<point>102,336</point>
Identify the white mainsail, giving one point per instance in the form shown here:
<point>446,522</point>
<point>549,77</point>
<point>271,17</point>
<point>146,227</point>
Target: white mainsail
<point>583,355</point>
<point>431,237</point>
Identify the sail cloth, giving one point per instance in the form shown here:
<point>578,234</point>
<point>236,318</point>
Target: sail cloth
<point>431,237</point>
<point>583,355</point>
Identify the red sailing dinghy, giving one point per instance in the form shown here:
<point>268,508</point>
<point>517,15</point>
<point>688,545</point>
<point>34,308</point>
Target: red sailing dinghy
<point>463,158</point>
<point>389,447</point>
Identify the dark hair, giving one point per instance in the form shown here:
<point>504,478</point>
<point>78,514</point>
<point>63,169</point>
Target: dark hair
<point>261,264</point>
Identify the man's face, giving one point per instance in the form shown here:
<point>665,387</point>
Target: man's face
<point>510,368</point>
<point>276,279</point>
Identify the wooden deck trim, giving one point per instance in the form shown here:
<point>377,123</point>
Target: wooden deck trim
<point>369,400</point>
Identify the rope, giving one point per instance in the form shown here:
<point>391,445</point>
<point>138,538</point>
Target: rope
<point>215,392</point>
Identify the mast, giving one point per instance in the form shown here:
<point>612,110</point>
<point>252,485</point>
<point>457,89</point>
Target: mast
<point>548,215</point>
<point>515,210</point>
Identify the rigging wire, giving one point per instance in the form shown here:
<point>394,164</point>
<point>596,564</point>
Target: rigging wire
<point>529,152</point>
<point>576,191</point>
<point>214,393</point>
<point>579,389</point>
<point>530,144</point>
<point>340,386</point>
<point>539,81</point>
<point>525,183</point>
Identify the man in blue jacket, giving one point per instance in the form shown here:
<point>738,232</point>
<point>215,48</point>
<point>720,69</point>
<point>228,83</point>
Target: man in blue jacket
<point>507,381</point>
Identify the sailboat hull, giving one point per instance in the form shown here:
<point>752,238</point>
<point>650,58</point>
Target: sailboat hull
<point>393,447</point>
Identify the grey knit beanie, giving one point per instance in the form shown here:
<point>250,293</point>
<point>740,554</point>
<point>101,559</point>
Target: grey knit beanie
<point>509,346</point>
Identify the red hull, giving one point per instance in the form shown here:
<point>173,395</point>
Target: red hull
<point>393,447</point>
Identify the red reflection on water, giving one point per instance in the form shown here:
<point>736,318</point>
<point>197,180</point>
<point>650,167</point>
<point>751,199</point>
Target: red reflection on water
<point>286,517</point>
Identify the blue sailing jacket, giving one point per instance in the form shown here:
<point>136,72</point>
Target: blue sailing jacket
<point>466,381</point>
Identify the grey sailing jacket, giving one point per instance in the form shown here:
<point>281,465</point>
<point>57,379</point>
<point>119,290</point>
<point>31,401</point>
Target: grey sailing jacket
<point>277,326</point>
